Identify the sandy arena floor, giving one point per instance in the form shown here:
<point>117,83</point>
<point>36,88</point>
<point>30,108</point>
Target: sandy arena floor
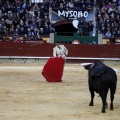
<point>26,95</point>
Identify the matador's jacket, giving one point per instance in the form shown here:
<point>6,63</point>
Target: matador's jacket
<point>59,51</point>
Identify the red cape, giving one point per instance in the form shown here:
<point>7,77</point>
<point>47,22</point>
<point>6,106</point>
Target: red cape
<point>53,69</point>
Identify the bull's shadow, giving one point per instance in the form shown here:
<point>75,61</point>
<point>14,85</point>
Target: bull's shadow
<point>101,78</point>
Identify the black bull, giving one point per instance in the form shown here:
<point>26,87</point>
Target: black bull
<point>101,78</point>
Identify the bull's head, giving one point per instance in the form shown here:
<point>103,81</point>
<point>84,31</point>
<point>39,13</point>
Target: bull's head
<point>87,66</point>
<point>96,68</point>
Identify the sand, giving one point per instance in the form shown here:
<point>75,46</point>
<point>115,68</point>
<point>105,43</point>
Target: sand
<point>26,95</point>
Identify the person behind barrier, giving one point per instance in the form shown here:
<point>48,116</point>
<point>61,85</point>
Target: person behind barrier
<point>112,39</point>
<point>60,51</point>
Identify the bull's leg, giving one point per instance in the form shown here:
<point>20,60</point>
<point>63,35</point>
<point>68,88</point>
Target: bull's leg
<point>92,97</point>
<point>112,98</point>
<point>112,92</point>
<point>106,104</point>
<point>103,97</point>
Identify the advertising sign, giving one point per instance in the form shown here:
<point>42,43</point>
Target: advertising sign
<point>58,14</point>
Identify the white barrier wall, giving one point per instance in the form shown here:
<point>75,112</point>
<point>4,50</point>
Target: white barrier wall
<point>51,37</point>
<point>100,37</point>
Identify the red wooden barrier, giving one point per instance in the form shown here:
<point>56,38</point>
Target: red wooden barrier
<point>46,50</point>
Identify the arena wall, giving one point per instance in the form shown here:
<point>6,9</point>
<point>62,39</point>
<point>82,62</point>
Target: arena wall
<point>77,52</point>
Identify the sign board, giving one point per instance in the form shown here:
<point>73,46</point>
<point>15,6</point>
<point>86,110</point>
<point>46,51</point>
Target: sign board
<point>37,1</point>
<point>58,14</point>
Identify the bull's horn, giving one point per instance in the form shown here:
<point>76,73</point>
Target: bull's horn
<point>84,64</point>
<point>115,69</point>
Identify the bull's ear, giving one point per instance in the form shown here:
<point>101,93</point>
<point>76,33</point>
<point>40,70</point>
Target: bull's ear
<point>98,69</point>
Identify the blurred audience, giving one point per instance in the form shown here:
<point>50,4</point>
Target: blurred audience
<point>108,17</point>
<point>24,17</point>
<point>112,39</point>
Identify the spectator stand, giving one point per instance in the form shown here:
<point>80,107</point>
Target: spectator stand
<point>108,19</point>
<point>33,15</point>
<point>24,15</point>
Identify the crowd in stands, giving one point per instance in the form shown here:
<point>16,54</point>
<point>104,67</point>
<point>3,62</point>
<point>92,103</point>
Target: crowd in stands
<point>108,18</point>
<point>23,17</point>
<point>30,19</point>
